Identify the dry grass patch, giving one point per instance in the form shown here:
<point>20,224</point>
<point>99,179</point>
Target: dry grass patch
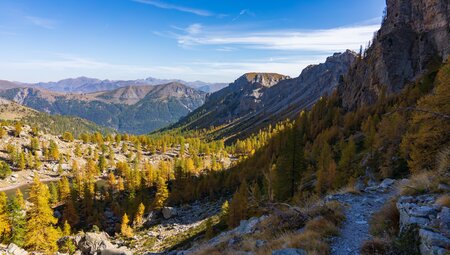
<point>322,226</point>
<point>421,183</point>
<point>443,200</point>
<point>376,246</point>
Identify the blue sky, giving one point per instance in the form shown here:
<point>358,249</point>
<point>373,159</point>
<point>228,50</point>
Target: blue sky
<point>209,40</point>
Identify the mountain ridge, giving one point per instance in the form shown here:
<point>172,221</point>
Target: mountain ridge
<point>135,109</point>
<point>84,84</point>
<point>247,105</point>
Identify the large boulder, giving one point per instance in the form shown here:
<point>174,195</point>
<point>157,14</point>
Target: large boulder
<point>94,243</point>
<point>13,249</point>
<point>169,212</point>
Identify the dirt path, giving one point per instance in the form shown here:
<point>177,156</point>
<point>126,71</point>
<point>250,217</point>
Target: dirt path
<point>355,229</point>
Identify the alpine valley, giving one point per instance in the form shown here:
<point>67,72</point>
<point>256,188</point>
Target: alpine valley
<point>352,156</point>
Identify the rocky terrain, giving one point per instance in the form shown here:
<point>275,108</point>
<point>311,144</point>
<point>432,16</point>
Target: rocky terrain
<point>413,38</point>
<point>132,109</point>
<point>431,219</point>
<point>254,101</point>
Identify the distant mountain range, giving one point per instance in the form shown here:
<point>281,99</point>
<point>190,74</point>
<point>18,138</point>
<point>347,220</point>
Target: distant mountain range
<point>88,85</point>
<point>252,102</point>
<point>133,109</point>
<point>256,100</point>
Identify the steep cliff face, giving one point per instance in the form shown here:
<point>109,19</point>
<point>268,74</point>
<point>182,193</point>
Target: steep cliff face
<point>415,34</point>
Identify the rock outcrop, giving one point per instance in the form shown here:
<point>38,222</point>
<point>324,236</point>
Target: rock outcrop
<point>432,221</point>
<point>415,35</point>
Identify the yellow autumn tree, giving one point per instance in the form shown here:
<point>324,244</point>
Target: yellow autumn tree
<point>430,125</point>
<point>161,194</point>
<point>5,227</point>
<point>41,233</point>
<point>139,218</point>
<point>125,229</point>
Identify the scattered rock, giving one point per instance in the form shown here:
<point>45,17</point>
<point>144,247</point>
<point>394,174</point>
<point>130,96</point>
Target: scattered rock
<point>260,243</point>
<point>386,183</point>
<point>116,251</point>
<point>444,187</point>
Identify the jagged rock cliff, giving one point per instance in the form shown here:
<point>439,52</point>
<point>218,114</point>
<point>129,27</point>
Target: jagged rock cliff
<point>415,35</point>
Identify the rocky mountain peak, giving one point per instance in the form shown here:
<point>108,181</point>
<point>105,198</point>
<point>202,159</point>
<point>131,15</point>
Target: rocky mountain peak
<point>261,79</point>
<point>338,62</point>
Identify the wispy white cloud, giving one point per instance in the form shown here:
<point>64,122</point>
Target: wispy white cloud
<point>168,6</point>
<point>329,40</point>
<point>42,22</point>
<point>61,66</point>
<point>194,29</point>
<point>242,13</point>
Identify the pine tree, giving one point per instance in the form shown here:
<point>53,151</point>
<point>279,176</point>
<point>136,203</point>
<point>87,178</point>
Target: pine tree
<point>34,144</point>
<point>54,198</point>
<point>161,194</point>
<point>17,220</point>
<point>139,218</point>
<point>120,184</point>
<point>64,189</point>
<point>20,199</point>
<point>70,212</point>
<point>238,209</point>
<point>68,245</point>
<point>54,151</point>
<point>77,150</point>
<point>224,211</point>
<point>5,170</point>
<point>112,182</point>
<point>209,228</point>
<point>21,163</point>
<point>430,126</point>
<point>125,229</point>
<point>17,129</point>
<point>5,227</point>
<point>41,234</point>
<point>68,137</point>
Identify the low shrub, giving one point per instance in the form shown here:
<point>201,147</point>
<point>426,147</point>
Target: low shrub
<point>385,222</point>
<point>376,246</point>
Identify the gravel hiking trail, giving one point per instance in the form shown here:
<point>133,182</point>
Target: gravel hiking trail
<point>360,207</point>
